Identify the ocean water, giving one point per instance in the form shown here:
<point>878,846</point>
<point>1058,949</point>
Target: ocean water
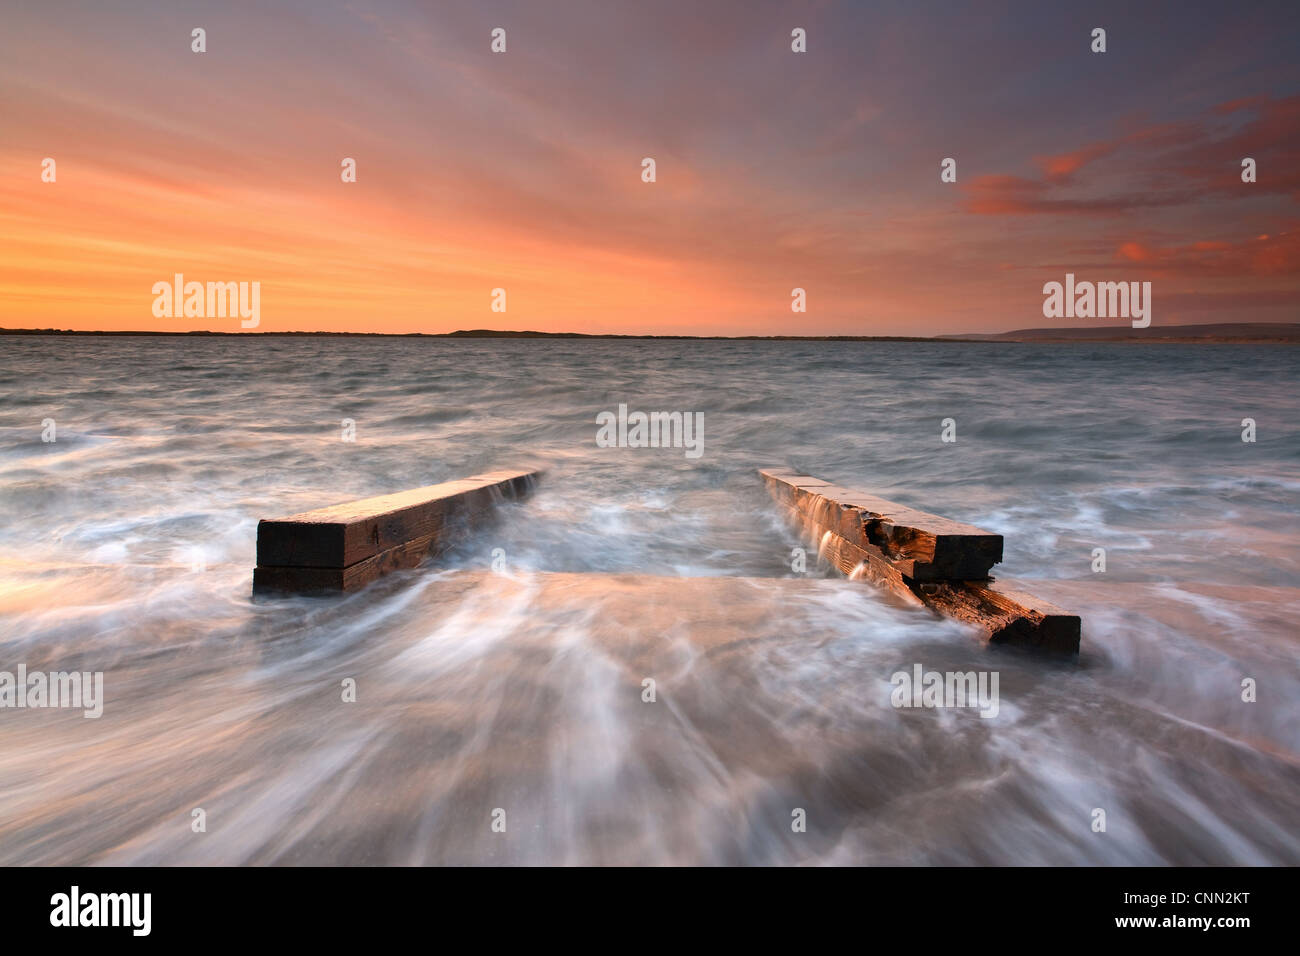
<point>515,694</point>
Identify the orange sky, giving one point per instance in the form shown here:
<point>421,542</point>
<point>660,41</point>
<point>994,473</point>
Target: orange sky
<point>522,170</point>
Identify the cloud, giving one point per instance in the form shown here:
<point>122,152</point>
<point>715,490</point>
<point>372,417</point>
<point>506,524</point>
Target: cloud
<point>1167,164</point>
<point>1262,255</point>
<point>1000,195</point>
<point>1062,167</point>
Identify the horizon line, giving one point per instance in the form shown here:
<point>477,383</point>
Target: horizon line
<point>1225,332</point>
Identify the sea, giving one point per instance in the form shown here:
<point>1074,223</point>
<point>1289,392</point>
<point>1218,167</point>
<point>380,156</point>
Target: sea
<point>642,663</point>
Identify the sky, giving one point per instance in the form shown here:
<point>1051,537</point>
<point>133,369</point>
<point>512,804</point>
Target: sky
<point>522,170</point>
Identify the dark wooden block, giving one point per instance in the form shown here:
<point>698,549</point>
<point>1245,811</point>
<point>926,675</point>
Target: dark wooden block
<point>352,578</point>
<point>341,535</point>
<point>345,547</point>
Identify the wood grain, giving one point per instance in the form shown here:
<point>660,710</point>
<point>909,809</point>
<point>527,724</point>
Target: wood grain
<point>346,546</point>
<point>923,546</point>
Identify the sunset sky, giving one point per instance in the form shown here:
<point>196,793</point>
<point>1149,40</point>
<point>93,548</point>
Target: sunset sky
<point>522,170</point>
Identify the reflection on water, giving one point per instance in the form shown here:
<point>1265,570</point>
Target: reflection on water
<point>127,548</point>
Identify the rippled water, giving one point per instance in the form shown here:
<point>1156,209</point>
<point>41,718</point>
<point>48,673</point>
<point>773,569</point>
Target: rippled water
<point>128,545</point>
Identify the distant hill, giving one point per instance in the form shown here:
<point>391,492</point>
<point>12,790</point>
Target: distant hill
<point>1219,332</point>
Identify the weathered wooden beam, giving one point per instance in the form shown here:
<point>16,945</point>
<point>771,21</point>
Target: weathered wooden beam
<point>923,546</point>
<point>907,551</point>
<point>852,560</point>
<point>344,547</point>
<point>1005,613</point>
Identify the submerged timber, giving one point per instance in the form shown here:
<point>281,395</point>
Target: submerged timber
<point>922,558</point>
<point>345,547</point>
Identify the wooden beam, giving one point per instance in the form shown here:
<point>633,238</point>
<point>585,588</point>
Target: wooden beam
<point>923,546</point>
<point>344,547</point>
<point>907,551</point>
<point>852,560</point>
<point>1005,613</point>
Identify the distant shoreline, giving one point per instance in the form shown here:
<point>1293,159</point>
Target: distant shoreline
<point>1224,333</point>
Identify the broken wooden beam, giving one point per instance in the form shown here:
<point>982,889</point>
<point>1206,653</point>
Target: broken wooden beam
<point>345,547</point>
<point>852,560</point>
<point>923,546</point>
<point>1005,613</point>
<point>921,558</point>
